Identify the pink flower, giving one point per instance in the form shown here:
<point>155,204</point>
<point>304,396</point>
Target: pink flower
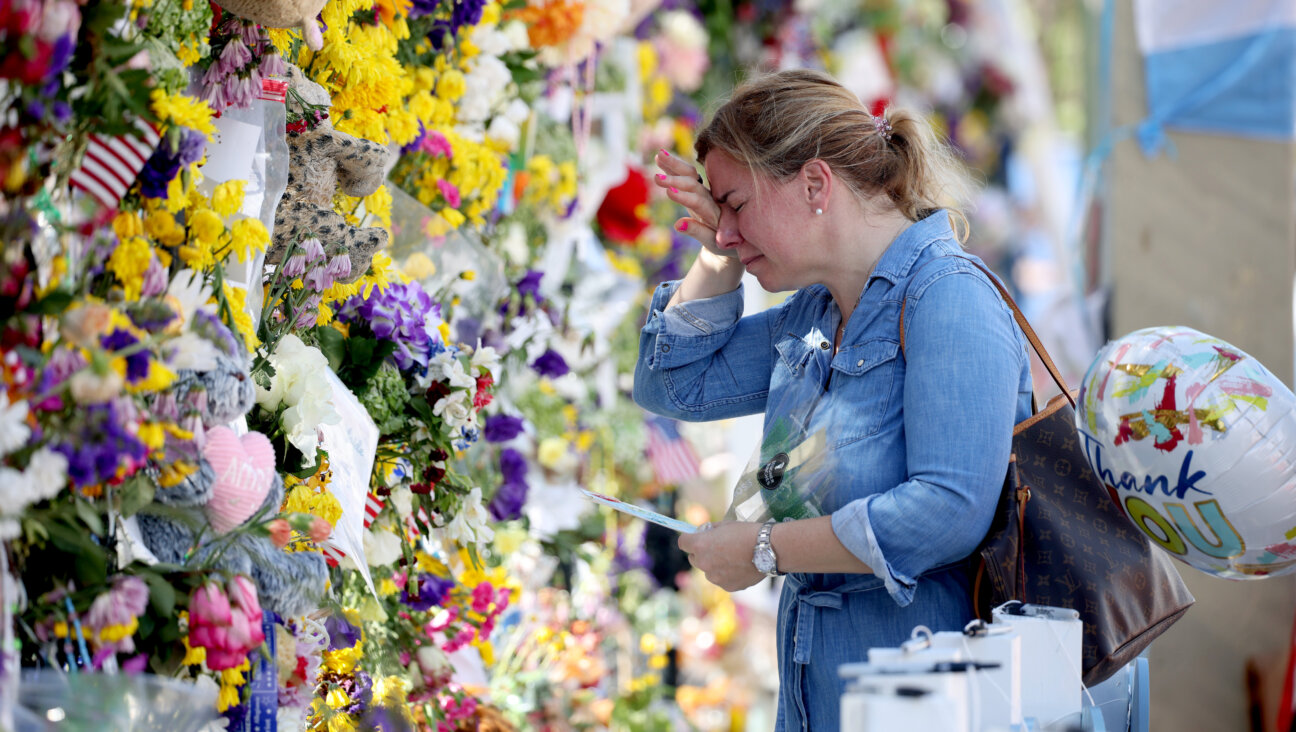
<point>450,192</point>
<point>320,530</point>
<point>435,143</point>
<point>482,596</point>
<point>280,533</point>
<point>209,605</point>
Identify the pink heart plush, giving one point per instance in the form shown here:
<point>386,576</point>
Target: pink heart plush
<point>244,468</point>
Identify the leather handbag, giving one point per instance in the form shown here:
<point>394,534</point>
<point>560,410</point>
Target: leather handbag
<point>1056,538</point>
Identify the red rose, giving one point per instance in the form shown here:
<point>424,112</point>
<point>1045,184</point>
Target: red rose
<point>623,214</point>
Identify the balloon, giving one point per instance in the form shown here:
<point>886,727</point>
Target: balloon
<point>1196,443</point>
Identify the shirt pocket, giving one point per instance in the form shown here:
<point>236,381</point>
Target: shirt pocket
<point>795,353</point>
<point>863,388</point>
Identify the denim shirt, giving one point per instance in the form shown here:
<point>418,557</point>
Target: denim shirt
<point>926,433</point>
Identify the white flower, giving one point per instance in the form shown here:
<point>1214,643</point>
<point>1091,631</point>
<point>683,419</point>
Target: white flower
<point>450,370</point>
<point>516,31</point>
<point>456,410</point>
<point>9,529</point>
<point>90,388</point>
<point>297,367</point>
<point>485,359</point>
<point>190,292</point>
<point>471,524</point>
<point>14,431</point>
<point>15,491</point>
<point>192,351</point>
<point>47,471</point>
<point>403,500</point>
<point>505,132</point>
<point>381,548</point>
<point>432,660</point>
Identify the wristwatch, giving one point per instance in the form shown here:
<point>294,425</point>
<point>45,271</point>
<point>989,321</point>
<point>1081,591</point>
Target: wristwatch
<point>763,557</point>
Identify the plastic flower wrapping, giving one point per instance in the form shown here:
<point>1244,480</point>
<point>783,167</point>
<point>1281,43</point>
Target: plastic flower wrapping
<point>307,349</point>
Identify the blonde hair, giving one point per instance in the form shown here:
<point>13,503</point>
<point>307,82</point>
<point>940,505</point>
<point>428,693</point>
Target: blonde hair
<point>774,124</point>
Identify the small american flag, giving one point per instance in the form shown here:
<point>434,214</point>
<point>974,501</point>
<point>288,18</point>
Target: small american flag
<point>671,456</point>
<point>373,504</point>
<point>111,164</point>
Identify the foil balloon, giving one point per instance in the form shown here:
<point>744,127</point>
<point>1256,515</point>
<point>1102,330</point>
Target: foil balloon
<point>1196,443</point>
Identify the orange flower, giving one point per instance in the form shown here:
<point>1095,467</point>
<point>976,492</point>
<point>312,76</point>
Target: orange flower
<point>551,22</point>
<point>389,9</point>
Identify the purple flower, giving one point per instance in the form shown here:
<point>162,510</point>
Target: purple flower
<point>313,250</point>
<point>160,169</point>
<point>508,501</point>
<point>104,444</point>
<point>342,634</point>
<point>398,314</point>
<point>502,428</point>
<point>513,466</point>
<point>530,285</point>
<point>318,279</point>
<point>339,267</point>
<point>423,7</point>
<point>550,364</point>
<point>192,147</point>
<point>295,266</point>
<point>137,364</point>
<point>437,36</point>
<point>466,12</point>
<point>428,591</point>
<point>236,54</point>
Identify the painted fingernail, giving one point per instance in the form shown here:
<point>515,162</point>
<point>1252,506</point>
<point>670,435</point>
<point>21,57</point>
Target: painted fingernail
<point>683,226</point>
<point>674,190</point>
<point>663,152</point>
<point>661,177</point>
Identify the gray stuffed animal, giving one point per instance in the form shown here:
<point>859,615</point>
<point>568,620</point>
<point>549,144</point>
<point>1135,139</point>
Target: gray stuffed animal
<point>289,584</point>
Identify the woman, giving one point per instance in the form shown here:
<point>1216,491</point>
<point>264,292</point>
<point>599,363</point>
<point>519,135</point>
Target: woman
<point>810,193</point>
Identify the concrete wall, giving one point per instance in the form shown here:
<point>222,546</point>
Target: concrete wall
<point>1206,238</point>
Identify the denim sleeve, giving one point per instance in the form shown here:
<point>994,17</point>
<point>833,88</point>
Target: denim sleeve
<point>964,359</point>
<point>701,360</point>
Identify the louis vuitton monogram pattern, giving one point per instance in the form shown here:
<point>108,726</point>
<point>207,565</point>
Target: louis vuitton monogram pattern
<point>1062,543</point>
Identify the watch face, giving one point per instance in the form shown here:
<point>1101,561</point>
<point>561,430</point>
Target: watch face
<point>763,558</point>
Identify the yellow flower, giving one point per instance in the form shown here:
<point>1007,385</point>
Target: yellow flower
<point>159,378</point>
<point>206,226</point>
<point>228,697</point>
<point>128,262</point>
<point>194,655</point>
<point>552,450</point>
<point>237,298</point>
<point>378,204</point>
<point>452,85</point>
<point>228,198</point>
<point>387,587</point>
<point>419,266</point>
<point>304,499</point>
<point>127,224</point>
<point>161,226</point>
<point>190,51</point>
<point>283,38</point>
<point>184,111</point>
<point>381,273</point>
<point>248,236</point>
<point>490,14</point>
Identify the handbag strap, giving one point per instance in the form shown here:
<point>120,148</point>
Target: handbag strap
<point>1017,315</point>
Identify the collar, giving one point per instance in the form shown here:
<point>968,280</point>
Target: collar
<point>898,260</point>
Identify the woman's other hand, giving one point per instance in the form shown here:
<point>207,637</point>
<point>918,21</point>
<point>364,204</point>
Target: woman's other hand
<point>724,554</point>
<point>684,186</point>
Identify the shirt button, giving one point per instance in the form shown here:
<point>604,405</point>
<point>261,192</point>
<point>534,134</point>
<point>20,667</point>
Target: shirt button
<point>665,348</point>
<point>824,345</point>
<point>860,362</point>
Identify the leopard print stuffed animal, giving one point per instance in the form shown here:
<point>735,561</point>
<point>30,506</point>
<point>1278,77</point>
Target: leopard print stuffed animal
<point>281,14</point>
<point>321,160</point>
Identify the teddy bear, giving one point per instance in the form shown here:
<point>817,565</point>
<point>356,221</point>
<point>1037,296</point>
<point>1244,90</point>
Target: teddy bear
<point>281,14</point>
<point>321,160</point>
<point>217,480</point>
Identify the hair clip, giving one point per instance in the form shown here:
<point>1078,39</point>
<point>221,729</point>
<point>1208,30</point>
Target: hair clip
<point>883,127</point>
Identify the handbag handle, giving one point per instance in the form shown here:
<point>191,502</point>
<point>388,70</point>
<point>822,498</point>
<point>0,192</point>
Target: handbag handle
<point>1021,323</point>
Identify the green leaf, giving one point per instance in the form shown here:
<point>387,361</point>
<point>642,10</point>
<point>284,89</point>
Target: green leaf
<point>90,517</point>
<point>333,345</point>
<point>136,493</point>
<point>162,596</point>
<point>53,303</point>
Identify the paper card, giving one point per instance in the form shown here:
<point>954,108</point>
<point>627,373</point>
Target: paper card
<point>229,157</point>
<point>673,524</point>
<point>352,446</point>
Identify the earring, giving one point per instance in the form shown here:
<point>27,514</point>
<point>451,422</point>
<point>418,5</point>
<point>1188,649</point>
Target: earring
<point>818,212</point>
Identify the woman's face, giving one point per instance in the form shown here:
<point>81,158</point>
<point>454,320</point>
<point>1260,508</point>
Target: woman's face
<point>764,224</point>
